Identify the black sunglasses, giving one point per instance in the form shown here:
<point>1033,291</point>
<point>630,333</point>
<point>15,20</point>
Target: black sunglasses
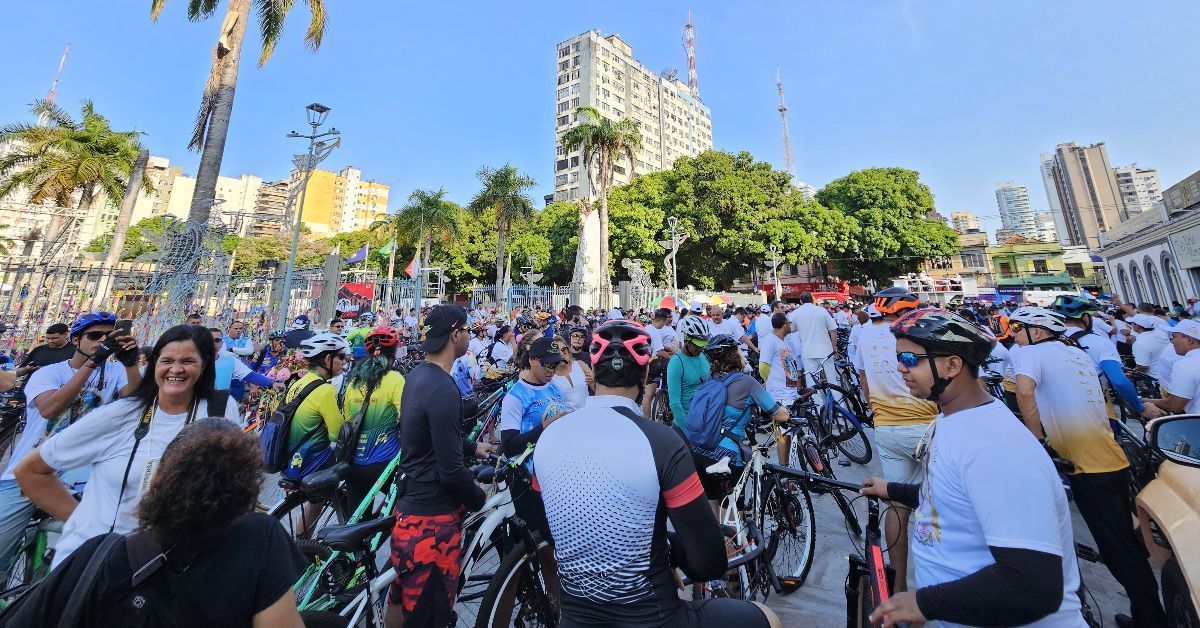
<point>95,335</point>
<point>910,359</point>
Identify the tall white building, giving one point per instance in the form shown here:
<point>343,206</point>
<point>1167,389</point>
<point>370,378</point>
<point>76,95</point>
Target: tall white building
<point>1053,203</point>
<point>964,222</point>
<point>1139,187</point>
<point>598,71</point>
<point>1047,230</point>
<point>1016,216</point>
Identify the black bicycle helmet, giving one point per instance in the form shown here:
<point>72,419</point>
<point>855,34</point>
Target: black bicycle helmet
<point>619,343</point>
<point>944,333</point>
<point>895,300</point>
<point>719,346</point>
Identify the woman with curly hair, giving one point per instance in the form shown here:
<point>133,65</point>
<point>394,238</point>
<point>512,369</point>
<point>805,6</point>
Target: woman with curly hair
<point>225,565</point>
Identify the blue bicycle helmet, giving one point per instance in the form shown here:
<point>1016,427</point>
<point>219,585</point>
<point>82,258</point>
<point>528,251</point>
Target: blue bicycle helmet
<point>88,320</point>
<point>278,333</point>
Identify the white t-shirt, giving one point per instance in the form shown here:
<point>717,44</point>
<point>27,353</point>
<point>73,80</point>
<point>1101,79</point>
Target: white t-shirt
<point>477,345</point>
<point>813,323</point>
<point>983,464</point>
<point>53,377</point>
<point>1003,364</point>
<point>785,367</point>
<point>104,439</point>
<point>574,390</point>
<point>655,334</point>
<point>669,338</point>
<point>793,341</point>
<point>1098,347</point>
<point>889,396</point>
<point>1071,404</point>
<point>728,326</point>
<point>1164,367</point>
<point>762,325</point>
<point>1101,326</point>
<point>1147,347</point>
<point>501,353</point>
<point>1185,380</point>
<point>842,318</point>
<point>1119,326</point>
<point>852,344</point>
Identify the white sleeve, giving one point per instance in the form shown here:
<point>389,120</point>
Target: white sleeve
<point>1011,482</point>
<point>43,380</point>
<point>1185,379</point>
<point>240,370</point>
<point>856,355</point>
<point>93,438</point>
<point>829,324</point>
<point>511,413</point>
<point>1025,363</point>
<point>767,349</point>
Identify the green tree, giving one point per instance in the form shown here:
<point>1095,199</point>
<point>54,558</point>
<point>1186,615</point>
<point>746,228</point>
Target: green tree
<point>605,143</point>
<point>432,217</point>
<point>250,251</point>
<point>216,104</point>
<point>896,232</point>
<point>504,192</point>
<point>65,157</point>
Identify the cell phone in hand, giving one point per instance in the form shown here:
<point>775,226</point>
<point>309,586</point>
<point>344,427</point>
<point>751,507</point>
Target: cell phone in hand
<point>123,327</point>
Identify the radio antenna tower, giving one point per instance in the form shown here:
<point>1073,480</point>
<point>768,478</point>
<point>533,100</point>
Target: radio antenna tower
<point>787,142</point>
<point>689,42</point>
<point>53,93</point>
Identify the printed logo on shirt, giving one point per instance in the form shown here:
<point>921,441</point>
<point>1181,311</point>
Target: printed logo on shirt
<point>297,461</point>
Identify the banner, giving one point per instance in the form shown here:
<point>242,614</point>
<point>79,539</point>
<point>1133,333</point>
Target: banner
<point>355,297</point>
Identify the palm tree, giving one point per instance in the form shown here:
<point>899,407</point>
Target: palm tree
<point>63,158</point>
<point>503,190</point>
<point>431,217</point>
<point>6,242</point>
<point>216,105</point>
<point>604,144</point>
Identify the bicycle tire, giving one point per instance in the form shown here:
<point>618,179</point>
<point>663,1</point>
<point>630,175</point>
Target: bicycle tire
<point>518,591</point>
<point>851,439</point>
<point>660,408</point>
<point>798,529</point>
<point>323,619</point>
<point>820,463</point>
<point>484,564</point>
<point>290,510</point>
<point>21,570</point>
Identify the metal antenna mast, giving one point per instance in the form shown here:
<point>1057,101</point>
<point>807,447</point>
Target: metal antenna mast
<point>689,42</point>
<point>53,93</point>
<point>787,142</point>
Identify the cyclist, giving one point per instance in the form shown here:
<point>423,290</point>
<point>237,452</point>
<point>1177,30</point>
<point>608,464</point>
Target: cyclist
<point>570,378</point>
<point>271,354</point>
<point>315,425</point>
<point>615,564</point>
<point>818,335</point>
<point>231,373</point>
<point>664,342</point>
<point>742,396</point>
<point>500,352</point>
<point>978,559</point>
<point>1150,342</point>
<point>178,389</point>
<point>337,325</point>
<point>688,368</point>
<point>579,340</point>
<point>1059,394</point>
<point>902,420</point>
<point>478,339</point>
<point>58,395</point>
<point>426,542</point>
<point>57,348</point>
<point>1185,375</point>
<point>718,324</point>
<point>1085,330</point>
<point>372,383</point>
<point>357,337</point>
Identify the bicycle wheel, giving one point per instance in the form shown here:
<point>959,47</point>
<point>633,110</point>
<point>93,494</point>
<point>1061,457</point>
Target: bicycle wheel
<point>291,513</point>
<point>660,408</point>
<point>820,463</point>
<point>790,528</point>
<point>850,438</point>
<point>478,570</point>
<point>517,595</point>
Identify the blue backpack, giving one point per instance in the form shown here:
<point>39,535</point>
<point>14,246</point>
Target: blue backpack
<point>706,413</point>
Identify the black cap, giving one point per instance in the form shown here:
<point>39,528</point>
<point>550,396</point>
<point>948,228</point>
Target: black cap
<point>439,323</point>
<point>544,350</point>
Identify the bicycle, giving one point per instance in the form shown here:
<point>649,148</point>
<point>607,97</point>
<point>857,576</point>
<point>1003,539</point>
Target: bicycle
<point>660,404</point>
<point>834,423</point>
<point>34,553</point>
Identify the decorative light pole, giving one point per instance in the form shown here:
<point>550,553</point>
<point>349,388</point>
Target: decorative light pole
<point>531,278</point>
<point>317,152</point>
<point>677,238</point>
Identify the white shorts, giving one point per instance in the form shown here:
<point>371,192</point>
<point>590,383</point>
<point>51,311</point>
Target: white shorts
<point>897,446</point>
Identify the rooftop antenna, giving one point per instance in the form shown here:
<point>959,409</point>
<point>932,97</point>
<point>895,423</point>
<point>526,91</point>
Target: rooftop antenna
<point>53,93</point>
<point>787,142</point>
<point>689,43</point>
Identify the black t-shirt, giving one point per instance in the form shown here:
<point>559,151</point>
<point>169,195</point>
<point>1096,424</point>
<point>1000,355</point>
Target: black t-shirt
<point>238,572</point>
<point>434,448</point>
<point>44,355</point>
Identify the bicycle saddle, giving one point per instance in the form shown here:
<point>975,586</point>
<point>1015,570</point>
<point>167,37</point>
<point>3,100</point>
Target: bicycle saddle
<point>326,480</point>
<point>352,538</point>
<point>721,466</point>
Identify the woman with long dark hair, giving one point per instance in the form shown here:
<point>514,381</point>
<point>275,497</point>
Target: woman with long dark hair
<point>225,565</point>
<point>124,440</point>
<point>501,351</point>
<point>372,383</point>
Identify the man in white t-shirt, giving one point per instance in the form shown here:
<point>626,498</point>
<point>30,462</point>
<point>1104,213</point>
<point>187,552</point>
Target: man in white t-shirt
<point>1184,397</point>
<point>778,365</point>
<point>58,395</point>
<point>664,341</point>
<point>818,335</point>
<point>1151,342</point>
<point>718,324</point>
<point>762,324</point>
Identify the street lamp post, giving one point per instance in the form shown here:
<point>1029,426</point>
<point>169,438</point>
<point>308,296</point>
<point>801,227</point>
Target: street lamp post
<point>317,151</point>
<point>677,238</point>
<point>775,269</point>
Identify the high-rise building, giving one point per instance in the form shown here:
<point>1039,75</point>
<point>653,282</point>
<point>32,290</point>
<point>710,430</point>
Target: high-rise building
<point>598,71</point>
<point>964,222</point>
<point>1139,187</point>
<point>1016,216</point>
<point>1087,192</point>
<point>270,209</point>
<point>340,202</point>
<point>1052,202</point>
<point>1047,230</point>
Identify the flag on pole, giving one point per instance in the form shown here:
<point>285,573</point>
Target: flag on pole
<point>388,248</point>
<point>357,257</point>
<point>411,269</point>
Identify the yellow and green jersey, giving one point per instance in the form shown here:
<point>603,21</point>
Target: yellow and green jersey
<point>318,414</point>
<point>379,436</point>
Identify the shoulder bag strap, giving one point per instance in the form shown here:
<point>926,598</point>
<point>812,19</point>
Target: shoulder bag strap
<point>217,400</point>
<point>87,581</point>
<point>294,404</point>
<point>139,433</point>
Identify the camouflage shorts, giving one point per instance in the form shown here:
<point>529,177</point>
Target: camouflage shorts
<point>427,553</point>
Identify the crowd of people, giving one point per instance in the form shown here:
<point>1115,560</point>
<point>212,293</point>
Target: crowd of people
<point>144,449</point>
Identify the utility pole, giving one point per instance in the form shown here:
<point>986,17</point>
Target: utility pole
<point>787,142</point>
<point>317,151</point>
<point>689,43</point>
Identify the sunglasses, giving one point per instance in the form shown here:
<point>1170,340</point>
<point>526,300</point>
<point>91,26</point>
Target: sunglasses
<point>342,356</point>
<point>910,359</point>
<point>1015,325</point>
<point>95,335</point>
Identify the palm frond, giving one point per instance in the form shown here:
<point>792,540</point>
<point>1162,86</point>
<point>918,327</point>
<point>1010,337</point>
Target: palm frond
<point>201,9</point>
<point>156,7</point>
<point>316,26</point>
<point>271,16</point>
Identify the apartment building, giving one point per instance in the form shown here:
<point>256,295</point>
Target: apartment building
<point>1139,187</point>
<point>601,72</point>
<point>964,221</point>
<point>337,202</point>
<point>1016,216</point>
<point>1086,187</point>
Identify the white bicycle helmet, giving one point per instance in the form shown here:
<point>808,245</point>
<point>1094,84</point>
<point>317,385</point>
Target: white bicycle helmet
<point>322,343</point>
<point>693,327</point>
<point>1034,316</point>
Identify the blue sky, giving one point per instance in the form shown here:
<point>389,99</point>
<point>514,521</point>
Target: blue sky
<point>966,92</point>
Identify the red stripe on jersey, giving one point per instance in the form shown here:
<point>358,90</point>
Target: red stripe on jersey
<point>684,492</point>
<point>537,487</point>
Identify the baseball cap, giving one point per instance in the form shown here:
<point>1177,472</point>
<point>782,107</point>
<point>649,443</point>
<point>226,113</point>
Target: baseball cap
<point>440,322</point>
<point>1187,327</point>
<point>1144,320</point>
<point>300,322</point>
<point>765,308</point>
<point>615,314</point>
<point>546,351</point>
<point>697,307</point>
<point>873,312</point>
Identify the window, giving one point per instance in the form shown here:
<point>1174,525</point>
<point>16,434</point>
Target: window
<point>574,161</point>
<point>604,92</point>
<point>562,106</point>
<point>1075,270</point>
<point>1005,269</point>
<point>562,150</point>
<point>560,180</point>
<point>563,66</point>
<point>561,164</point>
<point>575,102</point>
<point>1039,266</point>
<point>573,177</point>
<point>575,62</point>
<point>562,120</point>
<point>562,79</point>
<point>575,88</point>
<point>575,47</point>
<point>562,93</point>
<point>618,169</point>
<point>564,51</point>
<point>574,75</point>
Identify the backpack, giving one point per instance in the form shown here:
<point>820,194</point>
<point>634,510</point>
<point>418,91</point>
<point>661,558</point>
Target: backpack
<point>705,423</point>
<point>349,432</point>
<point>275,431</point>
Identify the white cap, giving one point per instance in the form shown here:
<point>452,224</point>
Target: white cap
<point>873,312</point>
<point>615,314</point>
<point>1144,320</point>
<point>765,308</point>
<point>1187,327</point>
<point>697,306</point>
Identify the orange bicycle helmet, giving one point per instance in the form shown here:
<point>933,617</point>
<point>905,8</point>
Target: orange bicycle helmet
<point>381,337</point>
<point>895,300</point>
